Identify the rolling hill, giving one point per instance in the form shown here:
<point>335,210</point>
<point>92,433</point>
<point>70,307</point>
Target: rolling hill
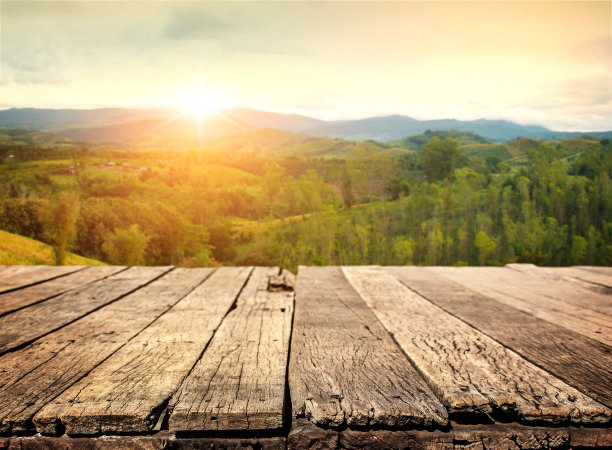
<point>167,126</point>
<point>15,249</point>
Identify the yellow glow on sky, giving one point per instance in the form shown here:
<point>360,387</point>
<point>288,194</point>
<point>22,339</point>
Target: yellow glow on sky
<point>548,63</point>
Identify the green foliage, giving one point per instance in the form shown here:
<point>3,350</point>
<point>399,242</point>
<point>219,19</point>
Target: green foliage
<point>485,246</point>
<point>15,249</point>
<point>419,141</point>
<point>125,246</point>
<point>60,222</point>
<point>524,201</point>
<point>439,159</point>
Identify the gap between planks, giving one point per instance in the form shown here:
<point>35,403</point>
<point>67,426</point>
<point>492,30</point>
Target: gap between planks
<point>129,390</point>
<point>469,371</point>
<point>581,362</point>
<point>34,375</point>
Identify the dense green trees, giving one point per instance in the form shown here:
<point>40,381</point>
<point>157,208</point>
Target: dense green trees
<point>434,207</point>
<point>439,159</point>
<point>540,214</point>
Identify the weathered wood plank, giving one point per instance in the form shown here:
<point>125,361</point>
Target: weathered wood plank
<point>127,392</point>
<point>559,285</point>
<point>588,275</point>
<point>33,376</point>
<point>598,269</point>
<point>528,294</point>
<point>25,325</point>
<point>11,301</point>
<point>466,369</point>
<point>554,274</point>
<point>304,434</point>
<point>345,368</point>
<point>159,441</point>
<point>579,361</point>
<point>21,276</point>
<point>239,384</point>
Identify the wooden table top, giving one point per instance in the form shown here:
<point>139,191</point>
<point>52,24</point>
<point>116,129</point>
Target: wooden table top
<point>352,357</point>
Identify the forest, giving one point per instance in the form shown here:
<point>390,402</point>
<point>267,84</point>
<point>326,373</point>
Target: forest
<point>277,198</point>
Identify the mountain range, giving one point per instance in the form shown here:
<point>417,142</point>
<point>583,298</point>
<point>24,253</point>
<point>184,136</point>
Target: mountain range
<point>121,125</point>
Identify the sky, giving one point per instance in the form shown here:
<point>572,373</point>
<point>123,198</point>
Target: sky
<point>546,62</point>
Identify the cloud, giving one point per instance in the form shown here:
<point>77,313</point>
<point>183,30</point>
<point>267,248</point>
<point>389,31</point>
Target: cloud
<point>243,28</point>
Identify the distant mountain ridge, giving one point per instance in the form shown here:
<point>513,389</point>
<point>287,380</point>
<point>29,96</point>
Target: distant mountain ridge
<point>133,125</point>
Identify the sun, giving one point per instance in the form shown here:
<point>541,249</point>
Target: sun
<point>200,102</point>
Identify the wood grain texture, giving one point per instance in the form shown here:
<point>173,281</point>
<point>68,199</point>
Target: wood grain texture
<point>579,361</point>
<point>466,369</point>
<point>529,294</point>
<point>565,289</point>
<point>25,325</point>
<point>239,384</point>
<point>11,301</point>
<point>593,276</point>
<point>159,441</point>
<point>127,392</point>
<point>345,368</point>
<point>15,277</point>
<point>33,376</point>
<point>304,434</point>
<point>556,274</point>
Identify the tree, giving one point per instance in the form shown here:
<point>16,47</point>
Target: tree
<point>60,224</point>
<point>485,246</point>
<point>347,189</point>
<point>439,159</point>
<point>126,246</point>
<point>272,181</point>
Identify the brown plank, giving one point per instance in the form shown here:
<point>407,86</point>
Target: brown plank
<point>557,274</point>
<point>562,283</point>
<point>239,384</point>
<point>512,436</point>
<point>127,392</point>
<point>529,294</point>
<point>588,275</point>
<point>25,325</point>
<point>21,276</point>
<point>581,362</point>
<point>345,368</point>
<point>33,376</point>
<point>11,301</point>
<point>305,435</point>
<point>469,371</point>
<point>158,441</point>
<point>598,269</point>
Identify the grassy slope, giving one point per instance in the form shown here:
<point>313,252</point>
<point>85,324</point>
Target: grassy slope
<point>277,143</point>
<point>15,249</point>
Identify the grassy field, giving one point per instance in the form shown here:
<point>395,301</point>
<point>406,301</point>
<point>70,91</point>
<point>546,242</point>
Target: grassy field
<point>15,249</point>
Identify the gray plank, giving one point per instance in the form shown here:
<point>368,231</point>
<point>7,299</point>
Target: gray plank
<point>127,392</point>
<point>11,301</point>
<point>25,325</point>
<point>560,283</point>
<point>33,376</point>
<point>541,298</point>
<point>557,274</point>
<point>15,277</point>
<point>469,371</point>
<point>581,362</point>
<point>345,368</point>
<point>239,384</point>
<point>591,275</point>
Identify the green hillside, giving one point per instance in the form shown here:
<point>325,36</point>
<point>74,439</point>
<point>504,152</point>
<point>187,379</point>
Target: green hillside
<point>418,141</point>
<point>15,249</point>
<point>276,143</point>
